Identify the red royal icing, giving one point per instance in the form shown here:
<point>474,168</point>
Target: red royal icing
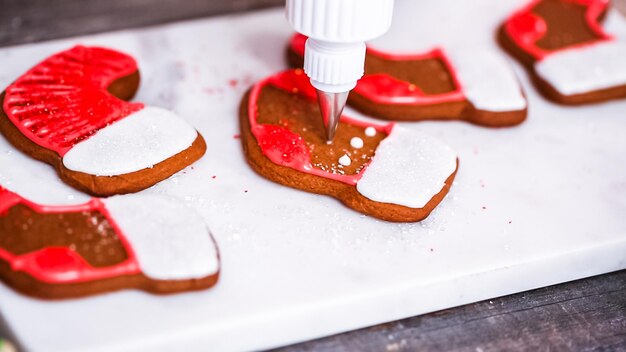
<point>525,28</point>
<point>282,146</point>
<point>64,99</point>
<point>60,265</point>
<point>385,89</point>
<point>287,148</point>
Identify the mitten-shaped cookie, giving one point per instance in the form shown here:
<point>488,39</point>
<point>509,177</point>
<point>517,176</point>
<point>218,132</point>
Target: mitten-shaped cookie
<point>571,59</point>
<point>145,242</point>
<point>70,112</point>
<point>388,172</point>
<point>477,87</point>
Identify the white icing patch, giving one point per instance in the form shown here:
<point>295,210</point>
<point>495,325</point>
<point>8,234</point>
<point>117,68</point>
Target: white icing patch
<point>585,69</point>
<point>356,142</point>
<point>409,169</point>
<point>170,241</point>
<point>615,22</point>
<point>137,142</point>
<point>370,131</point>
<point>345,160</point>
<point>34,180</point>
<point>487,80</point>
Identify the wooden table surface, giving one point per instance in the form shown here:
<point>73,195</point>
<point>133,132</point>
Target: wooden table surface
<point>584,315</point>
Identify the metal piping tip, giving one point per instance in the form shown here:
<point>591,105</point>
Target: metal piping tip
<point>331,106</point>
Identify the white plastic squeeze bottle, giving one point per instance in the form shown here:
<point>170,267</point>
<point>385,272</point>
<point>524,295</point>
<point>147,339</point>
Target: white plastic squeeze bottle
<point>334,54</point>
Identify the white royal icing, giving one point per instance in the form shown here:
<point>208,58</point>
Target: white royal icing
<point>370,131</point>
<point>170,241</point>
<point>356,142</point>
<point>586,68</point>
<point>615,23</point>
<point>487,80</point>
<point>409,169</point>
<point>345,160</point>
<point>139,141</point>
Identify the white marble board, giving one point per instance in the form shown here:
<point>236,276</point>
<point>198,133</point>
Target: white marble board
<point>534,205</point>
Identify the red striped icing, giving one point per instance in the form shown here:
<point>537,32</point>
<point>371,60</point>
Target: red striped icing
<point>64,99</point>
<point>287,148</point>
<point>60,265</point>
<point>525,28</point>
<point>385,89</point>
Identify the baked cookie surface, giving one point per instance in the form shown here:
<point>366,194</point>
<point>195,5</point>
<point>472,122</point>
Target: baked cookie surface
<point>143,242</point>
<point>70,111</point>
<point>385,171</point>
<point>477,87</point>
<point>569,56</point>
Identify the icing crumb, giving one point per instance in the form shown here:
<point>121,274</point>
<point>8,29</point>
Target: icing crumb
<point>345,160</point>
<point>356,142</point>
<point>370,131</point>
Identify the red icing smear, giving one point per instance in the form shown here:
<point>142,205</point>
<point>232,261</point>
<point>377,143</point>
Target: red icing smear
<point>60,265</point>
<point>385,89</point>
<point>64,99</point>
<point>525,28</point>
<point>287,148</point>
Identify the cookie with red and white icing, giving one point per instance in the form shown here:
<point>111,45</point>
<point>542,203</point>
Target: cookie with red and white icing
<point>570,57</point>
<point>65,250</point>
<point>385,171</point>
<point>70,111</point>
<point>477,87</point>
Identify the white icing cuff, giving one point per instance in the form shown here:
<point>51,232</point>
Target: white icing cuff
<point>170,241</point>
<point>585,69</point>
<point>409,169</point>
<point>488,81</point>
<point>139,141</point>
<point>615,23</point>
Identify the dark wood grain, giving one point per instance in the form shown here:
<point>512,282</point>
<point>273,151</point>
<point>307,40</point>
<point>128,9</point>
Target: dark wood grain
<point>27,21</point>
<point>585,315</point>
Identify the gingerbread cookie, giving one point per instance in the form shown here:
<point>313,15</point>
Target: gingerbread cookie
<point>388,172</point>
<point>475,87</point>
<point>571,59</point>
<point>145,242</point>
<point>70,112</point>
